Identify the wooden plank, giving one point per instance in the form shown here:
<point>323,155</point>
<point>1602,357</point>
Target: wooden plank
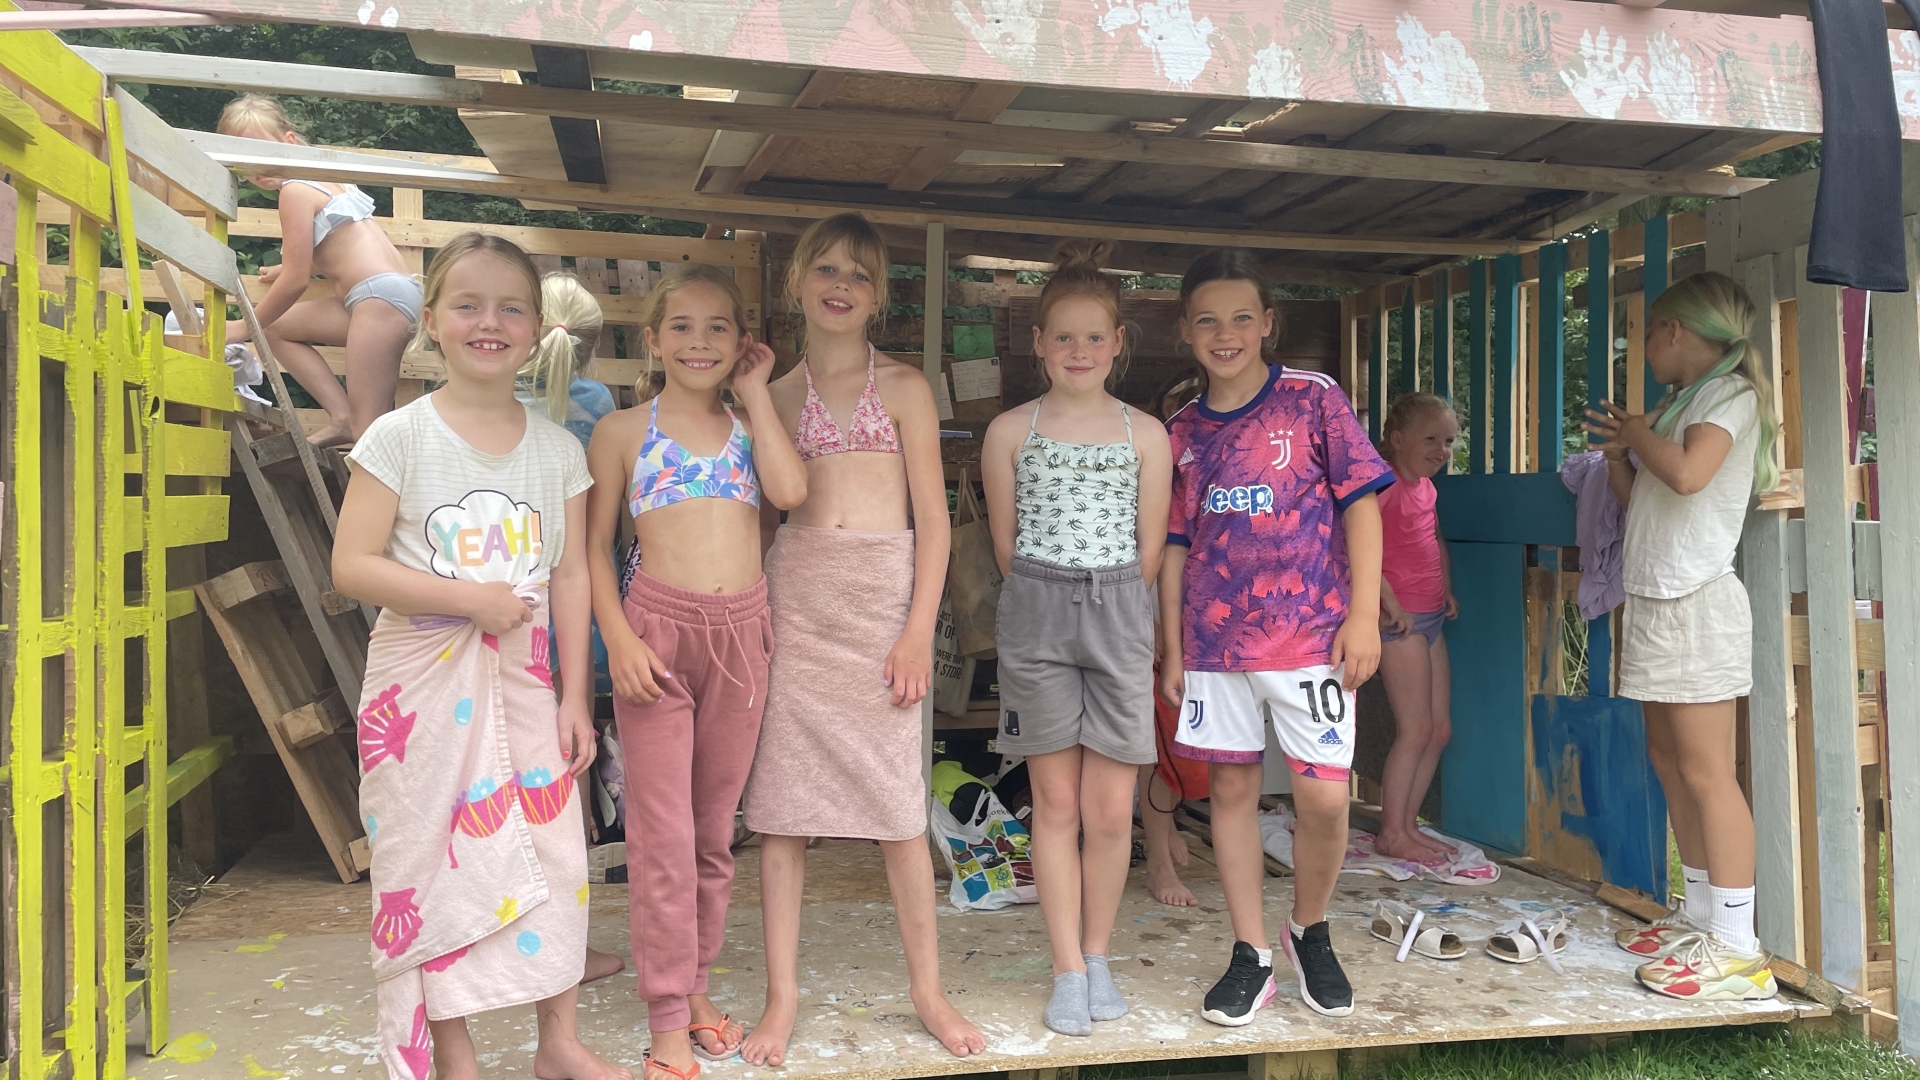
<point>1377,366</point>
<point>1774,779</point>
<point>1599,318</point>
<point>195,380</point>
<point>49,161</point>
<point>805,120</point>
<point>1896,348</point>
<point>167,277</point>
<point>244,583</point>
<point>983,103</point>
<point>184,774</point>
<point>1830,613</point>
<point>316,163</point>
<point>1637,373</point>
<point>1501,76</point>
<point>316,720</point>
<point>645,247</point>
<point>1443,335</point>
<point>1653,283</point>
<point>155,142</point>
<point>1551,393</point>
<point>1506,359</point>
<point>162,230</point>
<point>1295,1065</point>
<point>1868,582</point>
<point>197,451</point>
<point>1477,351</point>
<point>1409,381</point>
<point>44,62</point>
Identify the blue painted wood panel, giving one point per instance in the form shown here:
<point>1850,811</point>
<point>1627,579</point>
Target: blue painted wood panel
<point>1409,380</point>
<point>1599,317</point>
<point>1590,756</point>
<point>1520,508</point>
<point>1443,335</point>
<point>1483,790</point>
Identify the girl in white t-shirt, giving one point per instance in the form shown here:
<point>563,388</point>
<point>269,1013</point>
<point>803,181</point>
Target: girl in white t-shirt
<point>465,522</point>
<point>1686,473</point>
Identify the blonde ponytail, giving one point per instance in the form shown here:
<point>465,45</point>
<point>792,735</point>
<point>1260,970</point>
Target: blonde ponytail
<point>1715,307</point>
<point>570,330</point>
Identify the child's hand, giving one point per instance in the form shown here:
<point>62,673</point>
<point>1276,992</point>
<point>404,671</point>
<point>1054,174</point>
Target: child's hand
<point>497,609</point>
<point>1616,425</point>
<point>1173,683</point>
<point>909,669</point>
<point>1392,616</point>
<point>1453,605</point>
<point>752,370</point>
<point>1357,648</point>
<point>636,670</point>
<point>237,331</point>
<point>270,274</point>
<point>577,742</point>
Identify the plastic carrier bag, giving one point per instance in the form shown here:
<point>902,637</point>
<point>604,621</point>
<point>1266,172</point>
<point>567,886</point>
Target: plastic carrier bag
<point>988,854</point>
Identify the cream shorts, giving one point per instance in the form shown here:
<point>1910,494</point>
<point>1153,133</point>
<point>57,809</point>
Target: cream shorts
<point>1689,649</point>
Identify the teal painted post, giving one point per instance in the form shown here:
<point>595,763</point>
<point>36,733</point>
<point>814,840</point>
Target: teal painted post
<point>1553,358</point>
<point>1443,335</point>
<point>1599,388</point>
<point>1409,342</point>
<point>1477,366</point>
<point>1506,356</point>
<point>1653,283</point>
<point>1377,370</point>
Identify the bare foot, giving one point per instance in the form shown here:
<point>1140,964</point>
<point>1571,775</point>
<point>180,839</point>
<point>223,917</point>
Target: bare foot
<point>600,965</point>
<point>453,1056</point>
<point>338,433</point>
<point>945,1023</point>
<point>1163,881</point>
<point>766,1044</point>
<point>1401,846</point>
<point>567,1059</point>
<point>1176,849</point>
<point>1438,847</point>
<point>716,1045</point>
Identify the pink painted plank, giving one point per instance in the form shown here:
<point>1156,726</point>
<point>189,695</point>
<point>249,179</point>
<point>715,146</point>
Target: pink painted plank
<point>1561,58</point>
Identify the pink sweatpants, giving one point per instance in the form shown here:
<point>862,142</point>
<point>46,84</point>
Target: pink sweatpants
<point>687,759</point>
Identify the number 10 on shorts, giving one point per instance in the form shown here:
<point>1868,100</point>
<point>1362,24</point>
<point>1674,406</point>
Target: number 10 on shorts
<point>1226,715</point>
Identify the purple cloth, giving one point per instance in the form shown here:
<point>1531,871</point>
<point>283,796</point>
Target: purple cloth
<point>1600,524</point>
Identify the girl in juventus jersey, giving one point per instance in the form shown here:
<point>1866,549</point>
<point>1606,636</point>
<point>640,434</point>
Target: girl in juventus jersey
<point>1270,594</point>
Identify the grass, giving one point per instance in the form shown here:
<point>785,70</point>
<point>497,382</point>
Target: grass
<point>1764,1052</point>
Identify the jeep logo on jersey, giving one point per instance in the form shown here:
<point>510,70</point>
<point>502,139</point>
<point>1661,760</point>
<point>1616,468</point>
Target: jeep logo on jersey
<point>1251,500</point>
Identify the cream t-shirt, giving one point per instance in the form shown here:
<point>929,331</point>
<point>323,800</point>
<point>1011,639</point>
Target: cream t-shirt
<point>1677,543</point>
<point>469,515</point>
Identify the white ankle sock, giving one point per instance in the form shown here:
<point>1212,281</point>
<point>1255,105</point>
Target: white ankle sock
<point>1733,918</point>
<point>1698,903</point>
<point>1295,929</point>
<point>1266,957</point>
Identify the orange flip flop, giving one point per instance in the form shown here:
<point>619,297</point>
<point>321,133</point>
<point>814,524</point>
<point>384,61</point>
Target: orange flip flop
<point>676,1074</point>
<point>719,1032</point>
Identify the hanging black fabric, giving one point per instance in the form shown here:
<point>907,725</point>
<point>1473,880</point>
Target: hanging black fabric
<point>1856,239</point>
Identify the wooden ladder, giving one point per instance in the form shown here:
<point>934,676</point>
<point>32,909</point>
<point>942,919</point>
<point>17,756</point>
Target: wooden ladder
<point>300,646</point>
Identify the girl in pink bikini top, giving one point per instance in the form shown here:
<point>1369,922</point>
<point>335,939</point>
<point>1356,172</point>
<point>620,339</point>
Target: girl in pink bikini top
<point>869,428</point>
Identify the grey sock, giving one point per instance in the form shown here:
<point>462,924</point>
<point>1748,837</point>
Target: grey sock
<point>1103,998</point>
<point>1067,1009</point>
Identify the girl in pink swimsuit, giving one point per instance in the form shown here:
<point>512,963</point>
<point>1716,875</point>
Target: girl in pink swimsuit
<point>854,584</point>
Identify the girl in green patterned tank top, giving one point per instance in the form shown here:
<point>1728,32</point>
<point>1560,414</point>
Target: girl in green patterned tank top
<point>1078,486</point>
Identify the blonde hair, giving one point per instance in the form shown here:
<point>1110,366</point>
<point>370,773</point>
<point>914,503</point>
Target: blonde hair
<point>570,328</point>
<point>865,247</point>
<point>257,112</point>
<point>461,246</point>
<point>1408,410</point>
<point>1715,307</point>
<point>1080,272</point>
<point>653,311</point>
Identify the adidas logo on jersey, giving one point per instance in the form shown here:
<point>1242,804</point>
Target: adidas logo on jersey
<point>1249,499</point>
<point>1331,737</point>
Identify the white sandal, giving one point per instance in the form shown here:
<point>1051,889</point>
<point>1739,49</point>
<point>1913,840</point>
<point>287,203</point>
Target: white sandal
<point>1526,941</point>
<point>1399,924</point>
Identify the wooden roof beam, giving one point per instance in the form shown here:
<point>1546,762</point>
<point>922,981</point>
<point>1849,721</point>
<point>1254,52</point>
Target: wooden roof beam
<point>819,88</point>
<point>1201,120</point>
<point>577,137</point>
<point>259,158</point>
<point>258,75</point>
<point>1600,60</point>
<point>983,104</point>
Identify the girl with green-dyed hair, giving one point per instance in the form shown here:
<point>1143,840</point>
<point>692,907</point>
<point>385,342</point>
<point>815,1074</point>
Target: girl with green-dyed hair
<point>1686,473</point>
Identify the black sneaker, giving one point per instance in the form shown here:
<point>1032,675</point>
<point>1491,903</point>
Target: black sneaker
<point>1246,987</point>
<point>1323,986</point>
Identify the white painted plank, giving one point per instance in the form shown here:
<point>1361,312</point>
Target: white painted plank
<point>155,142</point>
<point>1796,555</point>
<point>1866,561</point>
<point>159,229</point>
<point>1896,341</point>
<point>1775,776</point>
<point>1836,770</point>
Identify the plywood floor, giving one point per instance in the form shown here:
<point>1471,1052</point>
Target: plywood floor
<point>270,978</point>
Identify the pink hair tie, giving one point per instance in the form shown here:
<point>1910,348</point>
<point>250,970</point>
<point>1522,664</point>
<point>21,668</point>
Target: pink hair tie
<point>559,326</point>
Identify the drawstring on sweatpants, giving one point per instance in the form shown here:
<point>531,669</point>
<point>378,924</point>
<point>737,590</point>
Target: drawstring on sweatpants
<point>733,630</point>
<point>1081,589</point>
